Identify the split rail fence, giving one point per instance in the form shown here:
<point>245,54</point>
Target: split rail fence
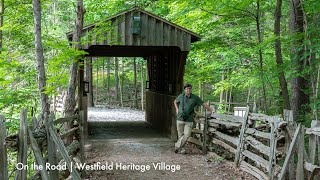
<point>263,146</point>
<point>44,140</point>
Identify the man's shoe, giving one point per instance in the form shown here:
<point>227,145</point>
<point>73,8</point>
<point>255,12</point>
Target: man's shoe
<point>183,151</point>
<point>176,149</point>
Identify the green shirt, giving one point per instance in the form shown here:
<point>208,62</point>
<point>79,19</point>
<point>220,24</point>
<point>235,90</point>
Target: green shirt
<point>189,104</point>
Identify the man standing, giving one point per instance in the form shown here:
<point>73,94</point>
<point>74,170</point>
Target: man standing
<point>185,104</point>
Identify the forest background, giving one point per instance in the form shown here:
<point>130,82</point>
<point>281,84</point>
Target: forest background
<point>251,52</point>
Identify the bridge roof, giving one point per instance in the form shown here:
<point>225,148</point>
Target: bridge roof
<point>137,27</point>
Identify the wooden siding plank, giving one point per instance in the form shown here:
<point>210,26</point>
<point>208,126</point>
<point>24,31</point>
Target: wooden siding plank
<point>187,42</point>
<point>115,32</point>
<point>160,35</point>
<point>144,37</point>
<point>179,38</point>
<point>128,29</point>
<point>136,37</point>
<point>119,37</point>
<point>152,34</point>
<point>166,34</point>
<point>123,30</point>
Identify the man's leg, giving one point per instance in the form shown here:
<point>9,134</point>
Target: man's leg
<point>180,129</point>
<point>186,133</point>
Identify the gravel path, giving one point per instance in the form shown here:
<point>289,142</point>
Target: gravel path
<point>122,136</point>
<point>110,114</point>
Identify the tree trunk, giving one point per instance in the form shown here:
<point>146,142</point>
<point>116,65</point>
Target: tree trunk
<point>229,100</point>
<point>40,59</point>
<point>315,111</point>
<point>108,79</point>
<point>221,93</point>
<point>116,77</point>
<point>122,82</point>
<point>300,99</point>
<point>70,102</point>
<point>226,100</point>
<point>258,24</point>
<point>142,81</point>
<point>278,53</point>
<point>97,81</point>
<point>135,83</point>
<point>1,23</point>
<point>103,94</point>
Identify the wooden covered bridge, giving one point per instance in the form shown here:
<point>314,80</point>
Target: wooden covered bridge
<point>138,33</point>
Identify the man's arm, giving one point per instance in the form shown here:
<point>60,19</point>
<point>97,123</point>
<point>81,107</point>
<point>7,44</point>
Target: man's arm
<point>176,106</point>
<point>205,105</point>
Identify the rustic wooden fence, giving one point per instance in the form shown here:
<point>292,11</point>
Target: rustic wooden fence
<point>45,140</point>
<point>264,146</point>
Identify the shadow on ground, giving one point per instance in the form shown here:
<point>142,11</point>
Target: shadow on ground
<point>121,130</point>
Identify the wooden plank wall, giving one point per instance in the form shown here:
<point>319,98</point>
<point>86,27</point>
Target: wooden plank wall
<point>167,70</point>
<point>160,113</point>
<point>154,32</point>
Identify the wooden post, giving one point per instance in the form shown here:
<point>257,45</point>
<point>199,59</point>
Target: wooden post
<point>88,64</point>
<point>3,150</point>
<point>52,150</point>
<point>23,145</point>
<point>273,146</point>
<point>288,117</point>
<point>205,129</point>
<point>313,142</point>
<point>82,156</point>
<point>34,123</point>
<point>290,153</point>
<point>80,84</point>
<point>300,164</point>
<point>63,151</point>
<point>38,155</point>
<point>85,117</point>
<point>241,138</point>
<point>83,98</point>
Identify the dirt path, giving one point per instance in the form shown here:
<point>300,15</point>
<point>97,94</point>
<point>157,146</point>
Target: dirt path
<point>136,146</point>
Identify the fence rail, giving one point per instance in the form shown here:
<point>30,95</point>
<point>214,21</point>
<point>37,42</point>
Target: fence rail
<point>254,142</point>
<point>53,142</point>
